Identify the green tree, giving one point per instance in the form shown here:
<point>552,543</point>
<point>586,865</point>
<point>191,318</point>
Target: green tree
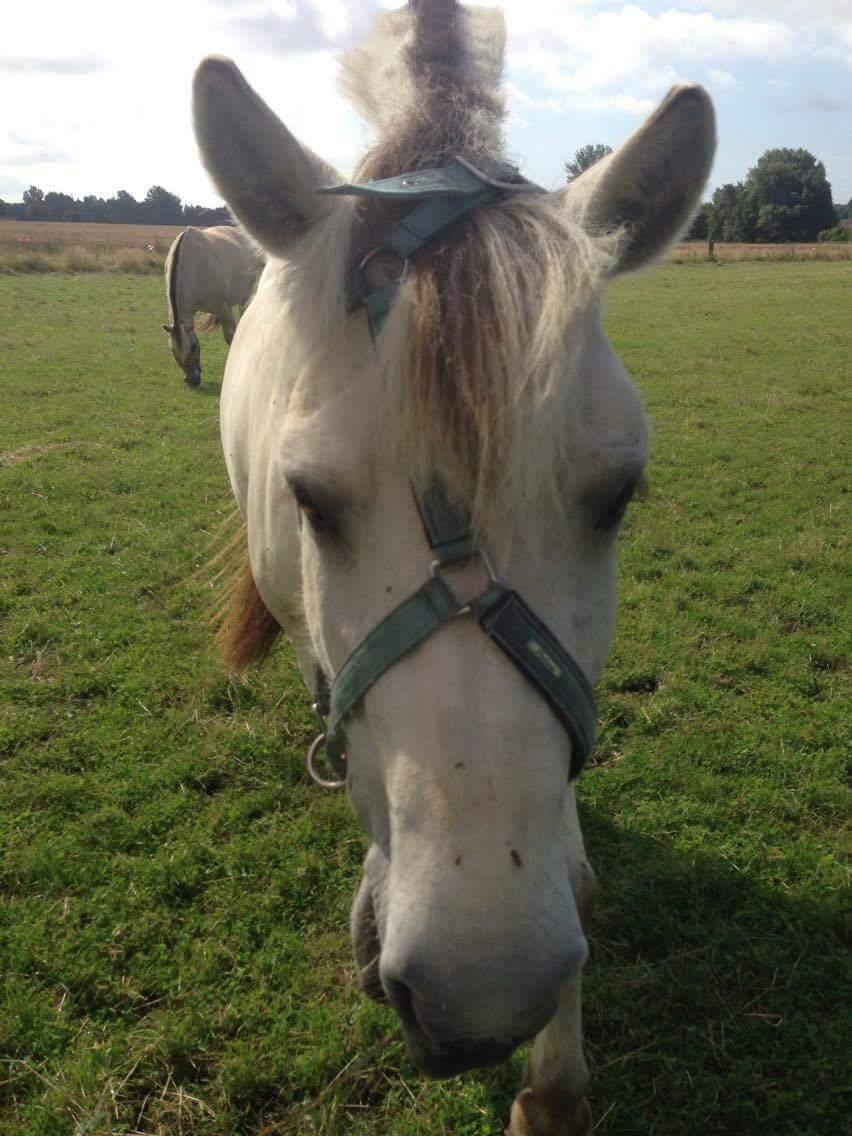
<point>58,204</point>
<point>790,196</point>
<point>33,196</point>
<point>162,207</point>
<point>124,208</point>
<point>842,234</point>
<point>732,214</point>
<point>586,157</point>
<point>2,206</point>
<point>699,229</point>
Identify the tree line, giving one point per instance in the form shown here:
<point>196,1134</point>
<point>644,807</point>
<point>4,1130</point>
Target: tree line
<point>159,207</point>
<point>784,197</point>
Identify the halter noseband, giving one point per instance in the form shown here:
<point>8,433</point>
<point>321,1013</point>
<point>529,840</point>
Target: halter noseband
<point>445,195</point>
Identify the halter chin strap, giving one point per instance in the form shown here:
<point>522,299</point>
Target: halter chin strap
<point>445,196</point>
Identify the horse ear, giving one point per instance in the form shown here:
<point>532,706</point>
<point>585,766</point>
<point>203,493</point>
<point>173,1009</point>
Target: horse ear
<point>267,178</point>
<point>652,184</point>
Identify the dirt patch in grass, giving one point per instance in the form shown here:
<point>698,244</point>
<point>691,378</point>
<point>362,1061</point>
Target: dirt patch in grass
<point>39,449</point>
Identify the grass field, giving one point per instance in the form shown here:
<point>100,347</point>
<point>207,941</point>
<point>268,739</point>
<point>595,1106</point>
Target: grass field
<point>174,891</point>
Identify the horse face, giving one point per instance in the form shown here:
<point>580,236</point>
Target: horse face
<point>467,917</point>
<point>186,351</point>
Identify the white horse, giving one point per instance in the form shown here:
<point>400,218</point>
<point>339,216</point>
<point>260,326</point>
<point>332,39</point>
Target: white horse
<point>492,376</point>
<point>212,271</point>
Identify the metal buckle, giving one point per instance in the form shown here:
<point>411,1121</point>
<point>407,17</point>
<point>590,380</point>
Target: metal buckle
<point>435,570</point>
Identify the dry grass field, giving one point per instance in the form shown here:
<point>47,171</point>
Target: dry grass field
<point>697,251</point>
<point>63,246</point>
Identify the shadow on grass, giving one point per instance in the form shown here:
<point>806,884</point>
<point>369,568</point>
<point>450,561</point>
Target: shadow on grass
<point>709,1006</point>
<point>709,999</point>
<point>209,390</point>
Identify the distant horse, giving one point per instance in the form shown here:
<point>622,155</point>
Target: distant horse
<point>211,271</point>
<point>433,445</point>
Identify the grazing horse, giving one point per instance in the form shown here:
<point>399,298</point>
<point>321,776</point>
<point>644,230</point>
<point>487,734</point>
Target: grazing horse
<point>433,445</point>
<point>212,271</point>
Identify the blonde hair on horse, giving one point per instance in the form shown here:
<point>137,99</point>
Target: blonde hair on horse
<point>477,351</point>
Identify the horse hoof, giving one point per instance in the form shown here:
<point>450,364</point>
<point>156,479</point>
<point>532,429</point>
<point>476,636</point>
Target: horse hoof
<point>532,1117</point>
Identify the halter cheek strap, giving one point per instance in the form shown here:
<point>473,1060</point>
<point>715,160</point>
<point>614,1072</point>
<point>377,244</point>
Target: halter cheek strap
<point>446,195</point>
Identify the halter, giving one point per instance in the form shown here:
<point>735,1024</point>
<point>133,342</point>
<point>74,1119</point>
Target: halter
<point>445,195</point>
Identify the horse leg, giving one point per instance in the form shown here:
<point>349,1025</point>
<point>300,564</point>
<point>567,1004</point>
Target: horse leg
<point>553,1101</point>
<point>225,317</point>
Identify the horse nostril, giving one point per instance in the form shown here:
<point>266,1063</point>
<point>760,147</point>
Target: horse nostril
<point>401,999</point>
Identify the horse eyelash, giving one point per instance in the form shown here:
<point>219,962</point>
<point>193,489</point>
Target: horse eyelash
<point>321,522</point>
<point>630,491</point>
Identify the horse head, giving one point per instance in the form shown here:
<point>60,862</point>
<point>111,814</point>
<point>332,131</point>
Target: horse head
<point>492,374</point>
<point>186,350</point>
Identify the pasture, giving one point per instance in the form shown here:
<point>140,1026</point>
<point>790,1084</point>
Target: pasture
<point>66,246</point>
<point>174,891</point>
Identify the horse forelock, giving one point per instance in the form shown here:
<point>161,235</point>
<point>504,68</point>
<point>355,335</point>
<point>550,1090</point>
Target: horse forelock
<point>486,332</point>
<point>428,78</point>
<point>486,320</point>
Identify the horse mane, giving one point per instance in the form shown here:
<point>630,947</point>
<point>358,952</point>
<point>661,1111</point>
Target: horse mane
<point>428,76</point>
<point>171,277</point>
<point>479,325</point>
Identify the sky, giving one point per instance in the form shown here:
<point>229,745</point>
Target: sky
<point>95,96</point>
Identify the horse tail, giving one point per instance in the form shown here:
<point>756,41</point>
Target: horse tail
<point>208,322</point>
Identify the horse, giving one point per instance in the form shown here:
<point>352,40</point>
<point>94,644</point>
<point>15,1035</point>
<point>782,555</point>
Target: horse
<point>432,446</point>
<point>212,271</point>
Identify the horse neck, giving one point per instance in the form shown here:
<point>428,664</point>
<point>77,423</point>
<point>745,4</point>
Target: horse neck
<point>180,311</point>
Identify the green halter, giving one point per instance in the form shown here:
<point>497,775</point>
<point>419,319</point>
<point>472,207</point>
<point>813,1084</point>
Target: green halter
<point>446,195</point>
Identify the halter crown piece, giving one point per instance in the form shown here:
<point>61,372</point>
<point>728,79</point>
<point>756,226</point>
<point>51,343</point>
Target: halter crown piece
<point>444,196</point>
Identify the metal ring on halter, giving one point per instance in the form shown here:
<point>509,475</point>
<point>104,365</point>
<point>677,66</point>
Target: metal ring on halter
<point>436,569</point>
<point>358,273</point>
<point>325,782</point>
<point>437,566</point>
<point>365,260</point>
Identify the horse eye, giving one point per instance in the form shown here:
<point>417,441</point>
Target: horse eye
<point>615,513</point>
<point>320,522</point>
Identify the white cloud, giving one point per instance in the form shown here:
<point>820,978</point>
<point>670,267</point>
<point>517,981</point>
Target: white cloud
<point>628,52</point>
<point>128,124</point>
<point>723,80</point>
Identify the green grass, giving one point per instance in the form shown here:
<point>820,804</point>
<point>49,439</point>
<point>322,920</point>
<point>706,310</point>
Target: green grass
<point>174,892</point>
